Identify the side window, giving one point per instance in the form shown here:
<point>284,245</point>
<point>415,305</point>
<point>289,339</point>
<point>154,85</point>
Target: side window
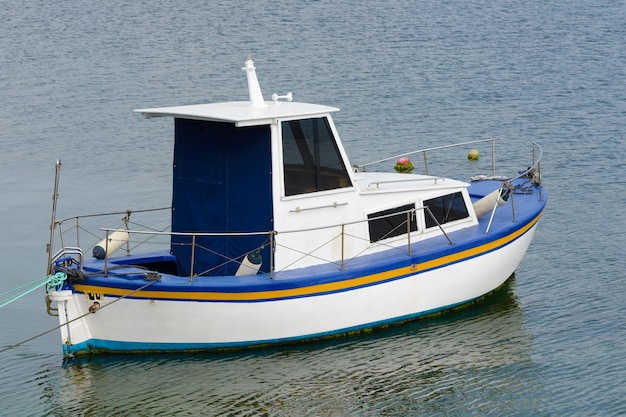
<point>393,222</point>
<point>445,208</point>
<point>311,158</point>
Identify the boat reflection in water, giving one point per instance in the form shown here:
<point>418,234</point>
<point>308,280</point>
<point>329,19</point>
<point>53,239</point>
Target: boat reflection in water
<point>476,355</point>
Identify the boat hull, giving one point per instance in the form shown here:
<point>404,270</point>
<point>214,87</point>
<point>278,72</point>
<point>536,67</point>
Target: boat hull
<point>150,324</point>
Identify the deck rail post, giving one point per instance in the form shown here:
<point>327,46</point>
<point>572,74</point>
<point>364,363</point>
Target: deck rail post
<point>538,171</point>
<point>193,255</point>
<point>126,219</point>
<point>408,230</point>
<point>106,252</point>
<point>62,235</point>
<point>53,222</point>
<point>493,157</point>
<point>511,195</point>
<point>272,249</point>
<point>540,187</point>
<point>343,230</point>
<point>77,232</point>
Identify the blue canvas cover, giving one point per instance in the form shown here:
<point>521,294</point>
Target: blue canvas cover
<point>221,183</point>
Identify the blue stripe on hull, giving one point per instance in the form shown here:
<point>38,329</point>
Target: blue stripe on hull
<point>366,271</point>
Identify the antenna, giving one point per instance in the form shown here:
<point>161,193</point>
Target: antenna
<point>256,96</point>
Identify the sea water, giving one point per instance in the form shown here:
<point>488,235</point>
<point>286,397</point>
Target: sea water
<point>406,75</point>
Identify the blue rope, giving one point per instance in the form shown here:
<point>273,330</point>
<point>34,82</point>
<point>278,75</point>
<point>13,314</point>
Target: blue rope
<point>52,282</point>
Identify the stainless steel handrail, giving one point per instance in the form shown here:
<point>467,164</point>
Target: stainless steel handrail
<point>272,234</point>
<point>535,165</point>
<point>113,213</point>
<point>436,148</point>
<point>533,172</point>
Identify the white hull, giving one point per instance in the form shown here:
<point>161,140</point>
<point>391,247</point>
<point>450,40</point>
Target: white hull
<point>145,325</point>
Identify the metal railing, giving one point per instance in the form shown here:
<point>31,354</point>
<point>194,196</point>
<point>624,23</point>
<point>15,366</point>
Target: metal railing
<point>533,172</point>
<point>425,151</point>
<point>147,235</point>
<point>272,238</point>
<point>71,231</point>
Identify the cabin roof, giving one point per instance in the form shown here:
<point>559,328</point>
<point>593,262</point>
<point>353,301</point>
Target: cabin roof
<point>242,113</point>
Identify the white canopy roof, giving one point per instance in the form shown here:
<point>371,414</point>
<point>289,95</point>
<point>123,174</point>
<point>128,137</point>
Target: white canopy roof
<point>242,113</point>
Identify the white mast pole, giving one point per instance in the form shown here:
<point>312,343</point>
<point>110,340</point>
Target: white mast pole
<point>256,96</point>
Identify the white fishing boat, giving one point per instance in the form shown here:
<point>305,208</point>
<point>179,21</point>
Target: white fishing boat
<point>299,245</point>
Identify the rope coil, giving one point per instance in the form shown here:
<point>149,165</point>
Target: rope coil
<point>55,282</point>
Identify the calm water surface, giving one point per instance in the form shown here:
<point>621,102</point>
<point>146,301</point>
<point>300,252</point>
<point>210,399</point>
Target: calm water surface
<point>406,75</point>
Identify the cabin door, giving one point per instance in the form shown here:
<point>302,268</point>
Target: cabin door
<point>221,183</point>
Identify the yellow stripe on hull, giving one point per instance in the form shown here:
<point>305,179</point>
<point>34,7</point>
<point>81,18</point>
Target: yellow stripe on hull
<point>312,289</point>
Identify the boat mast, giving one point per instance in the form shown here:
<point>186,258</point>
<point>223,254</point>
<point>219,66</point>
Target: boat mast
<point>256,96</point>
<point>55,197</point>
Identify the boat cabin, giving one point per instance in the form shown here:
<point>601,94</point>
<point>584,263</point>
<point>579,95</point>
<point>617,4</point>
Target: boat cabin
<point>271,182</point>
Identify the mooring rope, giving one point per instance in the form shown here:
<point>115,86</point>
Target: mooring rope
<point>74,319</point>
<point>52,283</point>
<point>55,282</point>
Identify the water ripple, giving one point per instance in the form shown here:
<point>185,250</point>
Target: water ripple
<point>553,72</point>
<point>469,358</point>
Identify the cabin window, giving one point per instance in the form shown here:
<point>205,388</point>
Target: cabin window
<point>392,222</point>
<point>311,158</point>
<point>445,208</point>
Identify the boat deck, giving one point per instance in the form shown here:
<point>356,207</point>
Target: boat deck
<point>124,273</point>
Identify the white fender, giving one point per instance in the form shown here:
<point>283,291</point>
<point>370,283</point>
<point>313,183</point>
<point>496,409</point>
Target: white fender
<point>116,240</point>
<point>488,202</point>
